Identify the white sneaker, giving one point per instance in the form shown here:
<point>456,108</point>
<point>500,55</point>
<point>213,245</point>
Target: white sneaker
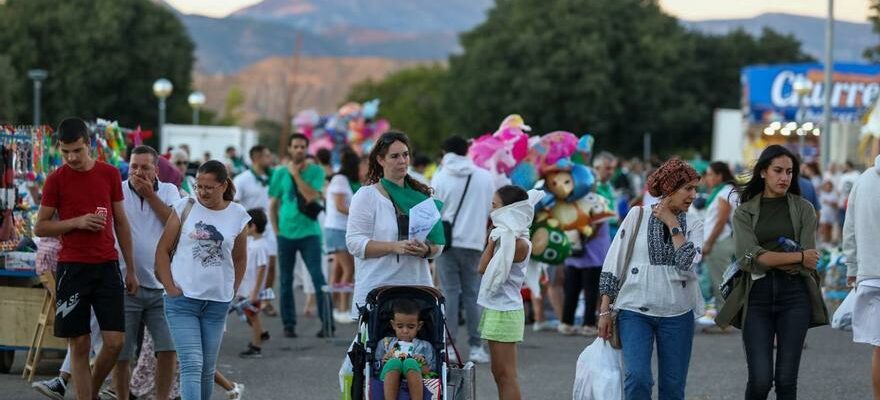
<point>236,392</point>
<point>342,317</point>
<point>566,329</point>
<point>544,326</point>
<point>478,355</point>
<point>587,330</point>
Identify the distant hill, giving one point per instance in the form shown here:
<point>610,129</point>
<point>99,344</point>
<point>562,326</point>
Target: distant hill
<point>425,30</point>
<point>850,39</point>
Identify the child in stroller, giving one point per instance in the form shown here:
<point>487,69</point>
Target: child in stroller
<point>403,354</point>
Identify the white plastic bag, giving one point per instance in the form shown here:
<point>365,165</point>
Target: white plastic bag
<point>842,318</point>
<point>599,374</point>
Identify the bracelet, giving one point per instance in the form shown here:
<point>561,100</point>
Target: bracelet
<point>605,313</point>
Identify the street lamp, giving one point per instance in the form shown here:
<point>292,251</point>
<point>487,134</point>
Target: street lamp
<point>803,87</point>
<point>196,101</point>
<point>162,89</point>
<point>37,75</point>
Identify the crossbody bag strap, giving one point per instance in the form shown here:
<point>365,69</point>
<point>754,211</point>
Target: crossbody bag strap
<point>183,216</point>
<point>461,200</point>
<point>630,245</point>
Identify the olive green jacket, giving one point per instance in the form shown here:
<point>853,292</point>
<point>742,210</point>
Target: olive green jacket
<point>745,219</point>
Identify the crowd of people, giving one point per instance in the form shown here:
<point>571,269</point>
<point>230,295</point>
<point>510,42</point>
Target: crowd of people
<point>152,264</point>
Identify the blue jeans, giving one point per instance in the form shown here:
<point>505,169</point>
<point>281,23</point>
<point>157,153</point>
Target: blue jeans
<point>675,337</point>
<point>460,280</point>
<point>197,330</point>
<point>310,248</point>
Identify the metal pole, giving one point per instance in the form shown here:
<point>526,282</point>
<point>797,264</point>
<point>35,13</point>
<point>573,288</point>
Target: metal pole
<point>37,86</point>
<point>800,122</point>
<point>646,149</point>
<point>161,116</point>
<point>829,70</point>
<point>195,115</point>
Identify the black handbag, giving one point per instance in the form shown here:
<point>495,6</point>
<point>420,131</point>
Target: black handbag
<point>448,226</point>
<point>310,209</point>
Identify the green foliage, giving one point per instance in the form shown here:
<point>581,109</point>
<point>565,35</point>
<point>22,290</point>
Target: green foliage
<point>10,86</point>
<point>232,108</point>
<point>413,101</point>
<point>102,57</point>
<point>269,134</point>
<point>872,54</point>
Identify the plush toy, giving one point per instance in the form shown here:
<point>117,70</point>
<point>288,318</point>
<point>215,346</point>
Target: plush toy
<point>305,122</point>
<point>549,244</point>
<point>502,150</point>
<point>554,151</point>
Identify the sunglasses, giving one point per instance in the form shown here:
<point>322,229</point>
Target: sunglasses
<point>182,163</point>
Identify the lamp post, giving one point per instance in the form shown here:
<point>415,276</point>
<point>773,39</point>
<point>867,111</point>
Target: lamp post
<point>802,86</point>
<point>196,101</point>
<point>162,89</point>
<point>37,75</point>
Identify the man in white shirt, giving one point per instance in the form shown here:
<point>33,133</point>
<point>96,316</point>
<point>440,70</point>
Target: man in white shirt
<point>147,206</point>
<point>860,233</point>
<point>252,191</point>
<point>458,264</point>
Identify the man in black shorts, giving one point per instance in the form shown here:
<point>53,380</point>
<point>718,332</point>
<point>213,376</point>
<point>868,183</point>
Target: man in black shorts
<point>87,195</point>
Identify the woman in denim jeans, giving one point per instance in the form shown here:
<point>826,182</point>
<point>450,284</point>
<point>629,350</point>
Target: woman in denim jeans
<point>210,254</point>
<point>777,297</point>
<point>656,295</point>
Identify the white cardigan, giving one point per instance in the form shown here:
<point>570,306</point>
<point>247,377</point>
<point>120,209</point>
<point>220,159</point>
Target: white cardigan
<point>860,229</point>
<point>371,216</point>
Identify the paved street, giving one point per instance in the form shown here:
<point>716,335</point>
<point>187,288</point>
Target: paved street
<point>306,367</point>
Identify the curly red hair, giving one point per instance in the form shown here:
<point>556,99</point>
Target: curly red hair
<point>670,177</point>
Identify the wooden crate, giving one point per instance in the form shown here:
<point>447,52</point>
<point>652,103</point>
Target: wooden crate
<point>19,311</point>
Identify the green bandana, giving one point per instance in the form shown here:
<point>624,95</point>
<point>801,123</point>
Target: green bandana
<point>354,186</point>
<point>405,198</point>
<point>714,193</point>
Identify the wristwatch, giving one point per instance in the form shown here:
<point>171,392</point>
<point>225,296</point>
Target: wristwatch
<point>675,231</point>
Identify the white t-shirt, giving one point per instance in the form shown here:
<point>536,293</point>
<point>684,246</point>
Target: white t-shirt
<point>146,229</point>
<point>335,219</point>
<point>258,257</point>
<point>251,193</point>
<point>509,297</point>
<point>372,217</point>
<point>202,267</point>
<point>709,219</point>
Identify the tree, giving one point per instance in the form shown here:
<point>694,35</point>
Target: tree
<point>413,101</point>
<point>102,57</point>
<point>232,107</point>
<point>269,134</point>
<point>873,53</point>
<point>10,85</point>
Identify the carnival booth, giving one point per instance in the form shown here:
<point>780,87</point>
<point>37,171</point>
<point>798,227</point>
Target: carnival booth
<point>783,104</point>
<point>27,157</point>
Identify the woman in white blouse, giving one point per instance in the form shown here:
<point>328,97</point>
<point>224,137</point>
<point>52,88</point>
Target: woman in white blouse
<point>210,255</point>
<point>656,295</point>
<point>375,236</point>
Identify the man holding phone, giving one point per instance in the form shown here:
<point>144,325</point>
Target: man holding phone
<point>87,195</point>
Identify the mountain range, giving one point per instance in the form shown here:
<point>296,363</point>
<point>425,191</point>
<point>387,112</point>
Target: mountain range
<point>424,30</point>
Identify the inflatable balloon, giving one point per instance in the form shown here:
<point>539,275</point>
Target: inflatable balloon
<point>549,244</point>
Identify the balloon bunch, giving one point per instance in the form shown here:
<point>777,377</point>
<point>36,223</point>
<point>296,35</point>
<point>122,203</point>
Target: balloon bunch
<point>558,163</point>
<point>354,124</point>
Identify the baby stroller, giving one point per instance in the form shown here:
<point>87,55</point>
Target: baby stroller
<point>374,325</point>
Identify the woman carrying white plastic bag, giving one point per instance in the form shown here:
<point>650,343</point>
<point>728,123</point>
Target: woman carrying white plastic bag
<point>599,373</point>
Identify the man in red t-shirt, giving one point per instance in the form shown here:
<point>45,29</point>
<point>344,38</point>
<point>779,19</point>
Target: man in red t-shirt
<point>87,196</point>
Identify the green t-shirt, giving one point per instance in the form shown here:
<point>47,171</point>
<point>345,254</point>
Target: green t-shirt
<point>774,221</point>
<point>293,224</point>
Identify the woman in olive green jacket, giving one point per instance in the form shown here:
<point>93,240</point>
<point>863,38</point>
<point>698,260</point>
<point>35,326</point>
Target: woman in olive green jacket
<point>777,293</point>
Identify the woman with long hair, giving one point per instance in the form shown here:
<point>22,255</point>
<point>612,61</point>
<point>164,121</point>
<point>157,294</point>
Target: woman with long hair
<point>342,187</point>
<point>207,237</point>
<point>718,243</point>
<point>776,298</point>
<point>655,294</point>
<point>377,234</point>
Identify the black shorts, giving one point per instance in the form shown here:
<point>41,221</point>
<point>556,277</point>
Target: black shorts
<point>82,287</point>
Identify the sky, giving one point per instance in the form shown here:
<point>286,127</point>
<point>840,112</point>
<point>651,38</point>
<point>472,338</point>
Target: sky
<point>850,10</point>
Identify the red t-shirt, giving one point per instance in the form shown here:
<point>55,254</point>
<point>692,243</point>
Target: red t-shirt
<point>74,193</point>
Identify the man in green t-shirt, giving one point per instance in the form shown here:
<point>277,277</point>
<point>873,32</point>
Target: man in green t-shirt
<point>297,232</point>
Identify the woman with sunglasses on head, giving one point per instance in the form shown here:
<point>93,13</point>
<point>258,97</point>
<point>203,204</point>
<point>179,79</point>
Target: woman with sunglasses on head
<point>209,249</point>
<point>377,234</point>
<point>777,297</point>
<point>180,159</point>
